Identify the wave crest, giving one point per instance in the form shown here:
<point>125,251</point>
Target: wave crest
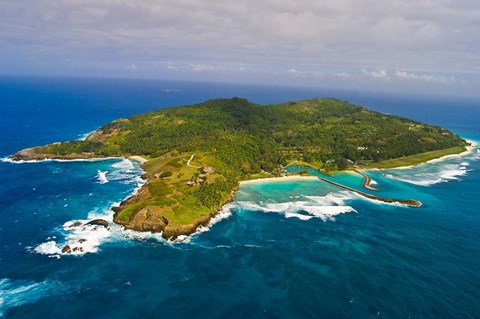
<point>14,293</point>
<point>436,175</point>
<point>323,207</point>
<point>82,238</point>
<point>102,177</point>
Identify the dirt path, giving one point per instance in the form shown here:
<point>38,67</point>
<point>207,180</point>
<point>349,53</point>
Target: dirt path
<point>188,163</point>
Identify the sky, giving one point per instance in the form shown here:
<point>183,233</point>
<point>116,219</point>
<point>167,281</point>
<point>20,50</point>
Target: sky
<point>418,46</point>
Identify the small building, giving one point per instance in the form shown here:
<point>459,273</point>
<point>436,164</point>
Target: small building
<point>208,170</point>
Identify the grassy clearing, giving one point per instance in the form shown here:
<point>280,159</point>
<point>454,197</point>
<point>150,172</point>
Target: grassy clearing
<point>416,159</point>
<point>169,192</point>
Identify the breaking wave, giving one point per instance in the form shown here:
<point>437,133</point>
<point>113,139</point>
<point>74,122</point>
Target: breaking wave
<point>125,172</point>
<point>124,164</point>
<point>14,293</point>
<point>224,213</point>
<point>428,175</point>
<point>11,161</point>
<point>83,137</point>
<point>82,238</point>
<point>323,207</point>
<point>102,177</point>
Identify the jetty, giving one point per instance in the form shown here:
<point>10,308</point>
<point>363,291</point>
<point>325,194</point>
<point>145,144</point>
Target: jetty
<point>366,180</point>
<point>409,202</point>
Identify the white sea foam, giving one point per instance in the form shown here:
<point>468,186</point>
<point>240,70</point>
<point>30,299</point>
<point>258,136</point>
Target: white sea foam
<point>9,160</point>
<point>124,171</point>
<point>102,177</point>
<point>299,216</point>
<point>83,238</point>
<point>437,174</point>
<point>48,248</point>
<point>80,237</point>
<point>338,198</point>
<point>323,207</point>
<point>14,293</point>
<point>83,137</point>
<point>125,164</point>
<point>224,213</point>
<point>328,212</point>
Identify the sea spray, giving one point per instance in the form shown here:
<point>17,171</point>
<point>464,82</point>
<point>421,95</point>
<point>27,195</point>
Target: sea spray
<point>102,177</point>
<point>78,236</point>
<point>429,174</point>
<point>323,207</point>
<point>15,293</point>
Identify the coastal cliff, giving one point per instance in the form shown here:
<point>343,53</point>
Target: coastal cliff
<point>196,155</point>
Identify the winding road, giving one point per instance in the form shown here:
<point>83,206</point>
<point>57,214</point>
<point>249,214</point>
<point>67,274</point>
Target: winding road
<point>188,163</point>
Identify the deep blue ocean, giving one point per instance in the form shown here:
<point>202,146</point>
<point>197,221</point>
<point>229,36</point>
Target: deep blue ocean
<point>287,249</point>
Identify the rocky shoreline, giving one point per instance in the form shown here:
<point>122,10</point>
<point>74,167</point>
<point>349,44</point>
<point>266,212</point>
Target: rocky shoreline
<point>31,154</point>
<point>143,221</point>
<point>147,221</point>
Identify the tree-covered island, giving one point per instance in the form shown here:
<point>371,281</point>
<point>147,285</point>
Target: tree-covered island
<point>197,154</point>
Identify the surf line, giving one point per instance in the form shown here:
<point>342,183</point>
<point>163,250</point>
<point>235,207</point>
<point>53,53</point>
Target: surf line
<point>409,202</point>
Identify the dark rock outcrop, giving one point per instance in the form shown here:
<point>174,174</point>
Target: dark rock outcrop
<point>35,154</point>
<point>148,219</point>
<point>66,249</point>
<point>98,222</point>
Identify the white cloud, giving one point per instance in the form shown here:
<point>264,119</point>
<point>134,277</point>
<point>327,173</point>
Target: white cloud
<point>337,37</point>
<point>202,67</point>
<point>344,75</point>
<point>376,74</point>
<point>131,67</point>
<point>424,77</point>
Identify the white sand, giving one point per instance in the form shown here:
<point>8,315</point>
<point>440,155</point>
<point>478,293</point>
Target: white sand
<point>139,159</point>
<point>289,178</point>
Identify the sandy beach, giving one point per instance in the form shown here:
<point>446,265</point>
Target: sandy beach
<point>289,178</point>
<point>473,145</point>
<point>138,159</point>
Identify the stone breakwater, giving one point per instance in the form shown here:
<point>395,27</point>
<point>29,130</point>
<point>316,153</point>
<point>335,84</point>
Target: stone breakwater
<point>409,202</point>
<point>366,180</point>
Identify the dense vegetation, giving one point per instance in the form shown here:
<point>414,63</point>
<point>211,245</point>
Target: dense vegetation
<point>240,139</point>
<point>254,137</point>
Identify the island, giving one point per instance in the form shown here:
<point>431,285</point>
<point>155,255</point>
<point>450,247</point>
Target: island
<point>195,156</point>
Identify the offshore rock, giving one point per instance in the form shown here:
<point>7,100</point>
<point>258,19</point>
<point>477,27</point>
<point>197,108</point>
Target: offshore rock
<point>66,249</point>
<point>98,222</point>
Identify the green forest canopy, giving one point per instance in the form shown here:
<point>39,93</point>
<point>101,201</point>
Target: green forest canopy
<point>254,137</point>
<point>241,140</point>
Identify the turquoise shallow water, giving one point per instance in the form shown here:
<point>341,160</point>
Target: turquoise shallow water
<point>290,249</point>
